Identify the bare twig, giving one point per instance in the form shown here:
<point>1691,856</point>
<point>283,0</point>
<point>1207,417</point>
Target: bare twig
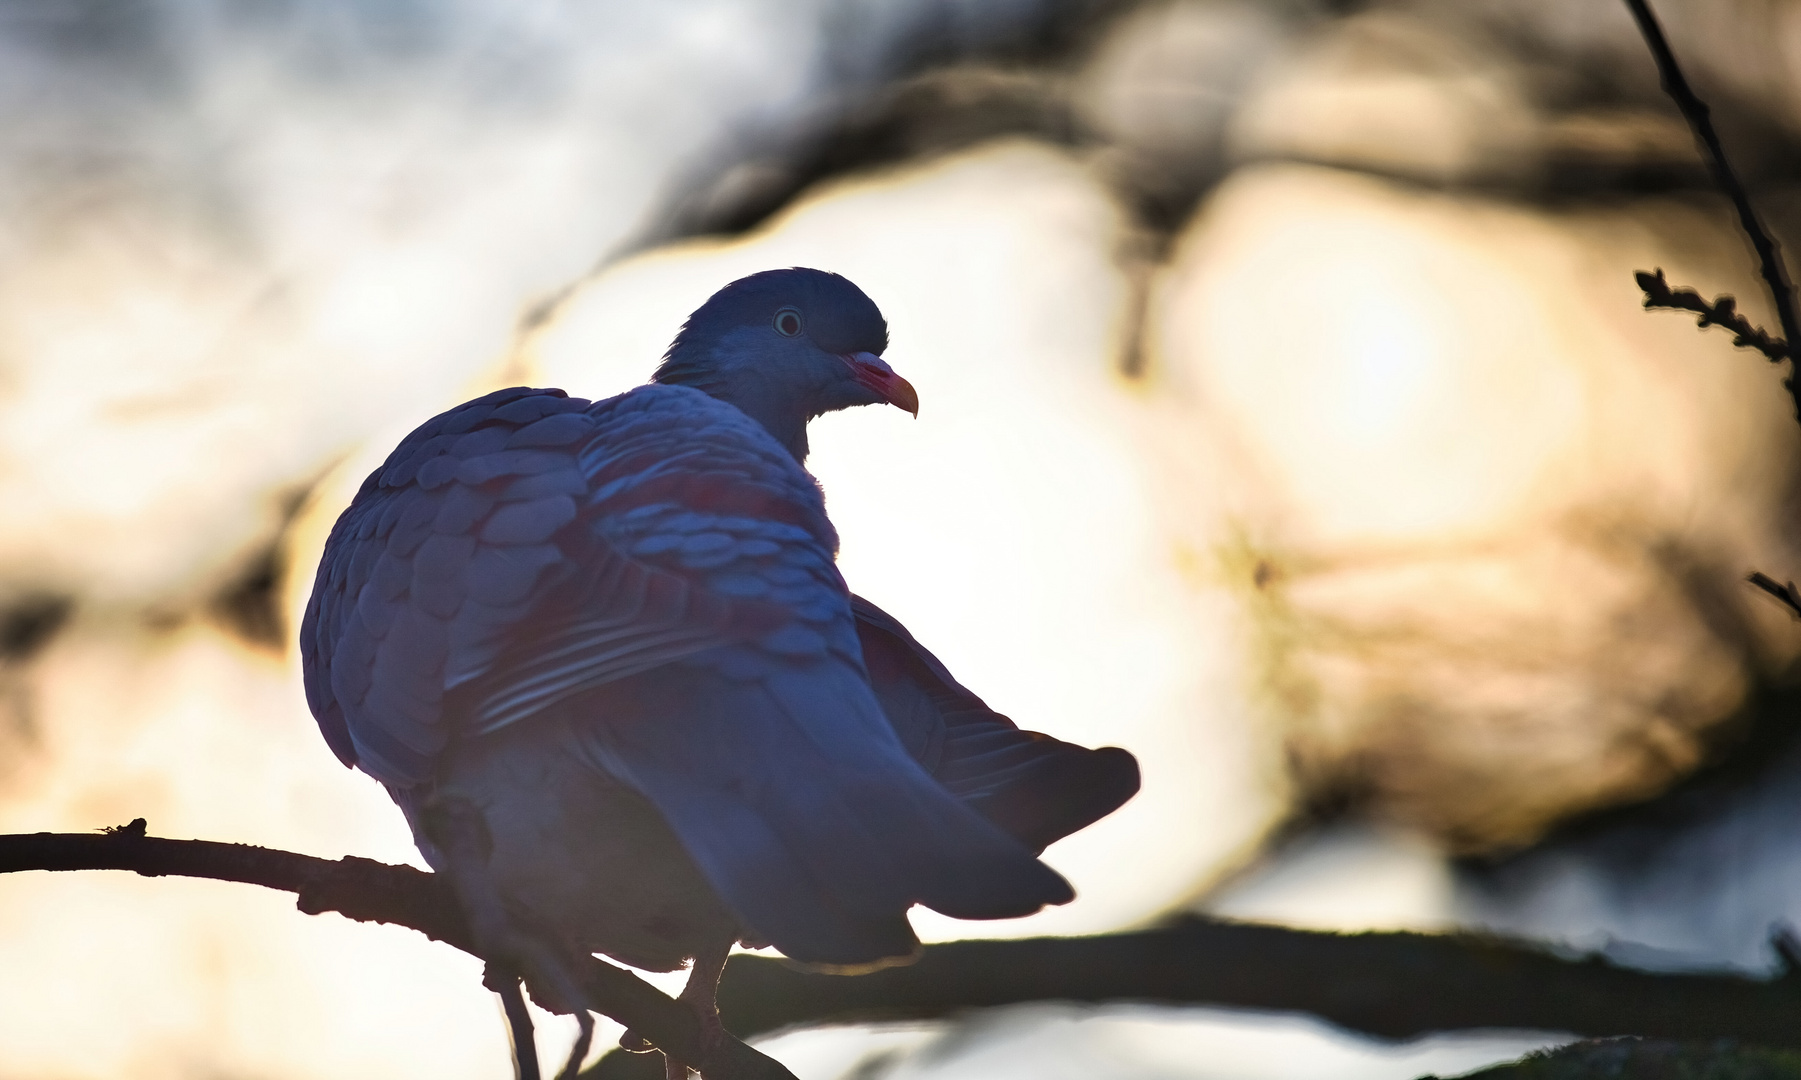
<point>1769,257</point>
<point>1722,312</point>
<point>370,891</point>
<point>1782,591</point>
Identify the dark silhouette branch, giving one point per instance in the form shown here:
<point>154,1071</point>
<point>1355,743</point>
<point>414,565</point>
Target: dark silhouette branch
<point>1390,985</point>
<point>1782,591</point>
<point>1769,256</point>
<point>370,891</point>
<point>1722,312</point>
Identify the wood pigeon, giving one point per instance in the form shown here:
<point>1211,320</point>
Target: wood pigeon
<point>601,656</point>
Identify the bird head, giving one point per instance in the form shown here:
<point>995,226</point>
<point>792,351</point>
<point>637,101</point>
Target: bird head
<point>785,346</point>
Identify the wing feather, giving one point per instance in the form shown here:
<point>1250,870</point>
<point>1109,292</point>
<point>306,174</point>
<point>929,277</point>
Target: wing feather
<point>527,547</point>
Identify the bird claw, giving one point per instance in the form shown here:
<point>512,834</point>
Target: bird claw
<point>698,995</point>
<point>711,1034</point>
<point>701,995</point>
<point>553,986</point>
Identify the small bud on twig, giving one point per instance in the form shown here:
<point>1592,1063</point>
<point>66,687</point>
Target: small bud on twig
<point>1722,312</point>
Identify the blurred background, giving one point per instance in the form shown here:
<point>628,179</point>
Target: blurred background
<point>1289,418</point>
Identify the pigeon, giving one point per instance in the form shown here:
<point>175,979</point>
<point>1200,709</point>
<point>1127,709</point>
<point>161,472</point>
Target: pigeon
<point>601,656</point>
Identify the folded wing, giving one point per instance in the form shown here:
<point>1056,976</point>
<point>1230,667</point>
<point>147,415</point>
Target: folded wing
<point>1036,788</point>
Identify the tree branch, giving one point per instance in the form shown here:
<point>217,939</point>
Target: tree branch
<point>1389,985</point>
<point>370,891</point>
<point>1785,592</point>
<point>1769,256</point>
<point>1722,312</point>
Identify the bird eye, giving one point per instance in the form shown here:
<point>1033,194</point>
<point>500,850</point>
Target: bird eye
<point>787,322</point>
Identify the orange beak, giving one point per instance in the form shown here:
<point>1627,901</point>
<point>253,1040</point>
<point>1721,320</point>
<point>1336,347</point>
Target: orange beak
<point>872,371</point>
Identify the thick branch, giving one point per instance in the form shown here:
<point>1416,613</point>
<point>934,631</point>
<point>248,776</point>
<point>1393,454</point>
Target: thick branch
<point>361,889</point>
<point>1769,257</point>
<point>370,891</point>
<point>1390,985</point>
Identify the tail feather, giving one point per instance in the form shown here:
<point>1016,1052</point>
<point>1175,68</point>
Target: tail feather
<point>804,811</point>
<point>1036,788</point>
<point>771,888</point>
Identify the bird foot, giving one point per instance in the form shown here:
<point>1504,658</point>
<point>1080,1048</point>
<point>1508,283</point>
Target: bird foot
<point>700,995</point>
<point>711,1033</point>
<point>579,1052</point>
<point>512,951</point>
<point>519,1022</point>
<point>518,956</point>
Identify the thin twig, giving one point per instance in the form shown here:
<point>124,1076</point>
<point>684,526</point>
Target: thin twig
<point>370,891</point>
<point>1783,591</point>
<point>1722,312</point>
<point>1769,256</point>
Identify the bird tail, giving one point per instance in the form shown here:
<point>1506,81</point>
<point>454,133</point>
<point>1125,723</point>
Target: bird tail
<point>806,814</point>
<point>1036,788</point>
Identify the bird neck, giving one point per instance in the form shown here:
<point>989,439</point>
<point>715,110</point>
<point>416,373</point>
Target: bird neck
<point>732,370</point>
<point>778,414</point>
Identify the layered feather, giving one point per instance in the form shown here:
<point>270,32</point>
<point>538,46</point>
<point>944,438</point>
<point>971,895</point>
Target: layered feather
<point>1035,788</point>
<point>659,569</point>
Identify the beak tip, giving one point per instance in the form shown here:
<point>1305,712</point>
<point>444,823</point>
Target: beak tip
<point>901,395</point>
<point>875,375</point>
